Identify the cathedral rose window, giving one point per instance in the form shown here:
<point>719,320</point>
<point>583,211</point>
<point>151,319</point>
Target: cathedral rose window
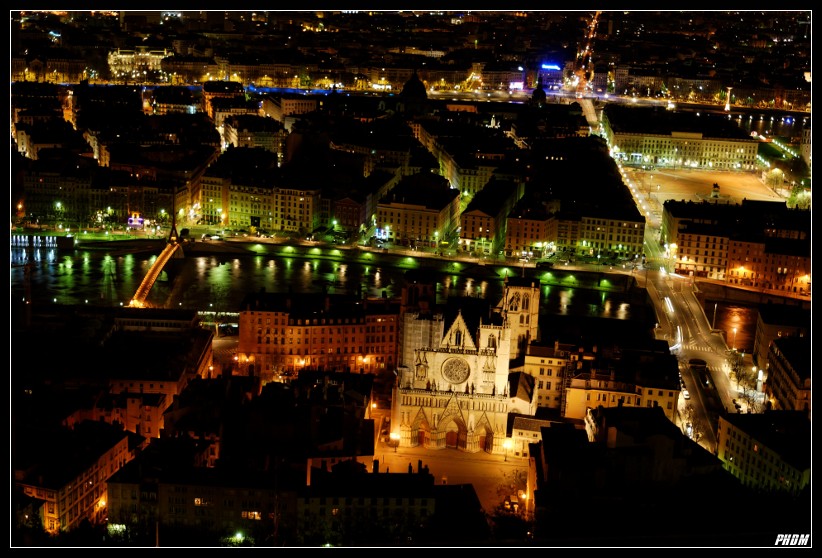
<point>455,370</point>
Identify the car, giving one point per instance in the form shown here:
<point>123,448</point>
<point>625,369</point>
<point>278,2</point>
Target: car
<point>689,430</point>
<point>685,394</point>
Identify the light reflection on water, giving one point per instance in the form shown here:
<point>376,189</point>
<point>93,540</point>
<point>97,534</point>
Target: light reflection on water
<point>221,283</point>
<point>734,315</point>
<point>779,126</point>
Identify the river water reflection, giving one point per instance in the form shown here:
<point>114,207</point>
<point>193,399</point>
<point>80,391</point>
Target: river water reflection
<point>730,316</point>
<point>219,283</point>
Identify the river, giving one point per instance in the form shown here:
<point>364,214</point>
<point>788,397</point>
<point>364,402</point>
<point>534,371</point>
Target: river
<point>220,282</point>
<point>730,316</point>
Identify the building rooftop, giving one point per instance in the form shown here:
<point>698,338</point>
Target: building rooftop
<point>797,351</point>
<point>785,432</point>
<point>785,314</point>
<point>659,121</point>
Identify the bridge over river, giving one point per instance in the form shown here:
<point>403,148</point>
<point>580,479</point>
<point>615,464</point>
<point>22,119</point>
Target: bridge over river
<point>172,250</point>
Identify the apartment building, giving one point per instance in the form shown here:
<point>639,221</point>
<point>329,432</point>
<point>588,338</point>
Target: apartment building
<point>653,136</point>
<point>68,483</point>
<point>788,385</point>
<point>753,244</point>
<point>774,321</point>
<point>281,334</point>
<point>770,451</point>
<point>420,209</point>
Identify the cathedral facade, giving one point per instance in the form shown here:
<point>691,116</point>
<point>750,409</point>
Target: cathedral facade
<point>452,387</point>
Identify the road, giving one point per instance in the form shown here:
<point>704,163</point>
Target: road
<point>683,323</point>
<point>686,327</point>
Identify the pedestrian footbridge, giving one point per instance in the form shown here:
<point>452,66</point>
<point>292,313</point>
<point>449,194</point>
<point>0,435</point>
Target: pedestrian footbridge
<point>171,251</point>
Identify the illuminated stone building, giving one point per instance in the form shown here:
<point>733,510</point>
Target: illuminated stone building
<point>135,64</point>
<point>547,364</point>
<point>68,485</point>
<point>758,244</point>
<point>279,107</point>
<point>422,208</point>
<point>582,362</point>
<point>220,90</point>
<point>640,384</point>
<point>284,333</point>
<point>768,451</point>
<point>482,223</point>
<point>789,374</point>
<point>774,321</point>
<point>255,131</point>
<point>456,393</point>
<point>650,136</point>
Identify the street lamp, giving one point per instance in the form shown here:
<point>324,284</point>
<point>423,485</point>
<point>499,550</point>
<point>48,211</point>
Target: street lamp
<point>395,440</point>
<point>507,445</point>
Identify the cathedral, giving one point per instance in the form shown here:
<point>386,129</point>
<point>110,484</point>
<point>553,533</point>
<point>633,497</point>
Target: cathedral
<point>453,386</point>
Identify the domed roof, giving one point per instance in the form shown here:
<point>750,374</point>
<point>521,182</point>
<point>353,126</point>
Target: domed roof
<point>414,88</point>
